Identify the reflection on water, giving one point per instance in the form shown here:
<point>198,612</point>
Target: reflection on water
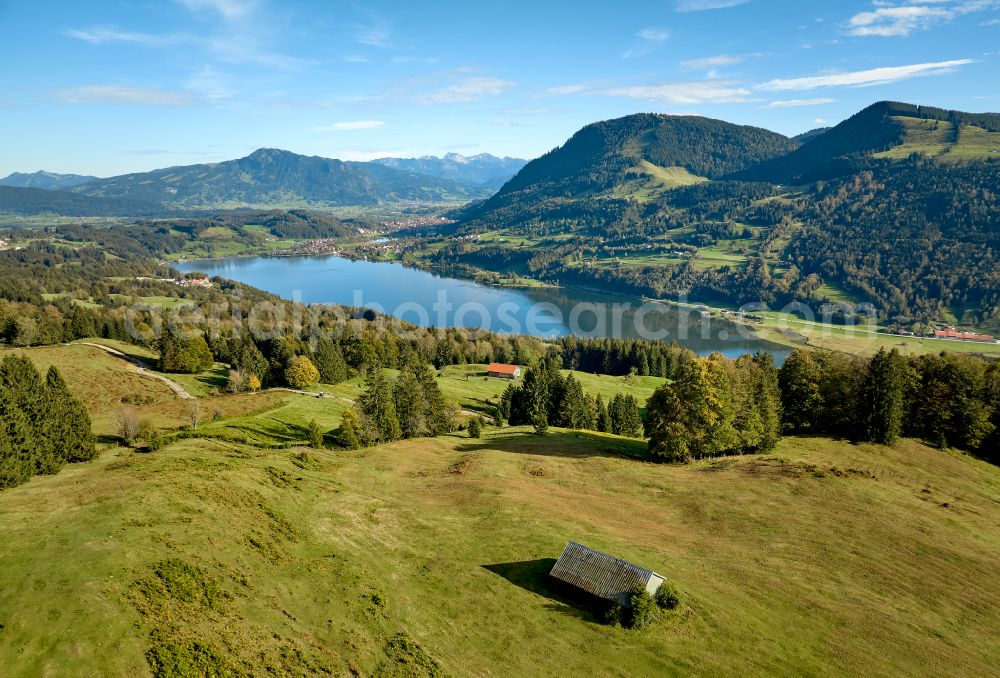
<point>431,300</point>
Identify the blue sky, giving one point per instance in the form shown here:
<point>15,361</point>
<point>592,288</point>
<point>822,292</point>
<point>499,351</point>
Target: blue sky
<point>107,87</point>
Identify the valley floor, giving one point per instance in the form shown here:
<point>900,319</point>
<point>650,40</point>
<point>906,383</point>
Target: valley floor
<point>429,557</point>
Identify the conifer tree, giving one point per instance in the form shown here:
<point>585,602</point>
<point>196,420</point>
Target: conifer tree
<point>349,431</point>
<point>330,362</point>
<point>248,359</point>
<point>42,426</point>
<point>475,427</point>
<point>16,437</point>
<point>503,409</point>
<point>410,404</point>
<point>603,420</point>
<point>624,416</point>
<point>437,412</point>
<point>377,411</point>
<point>882,398</point>
<point>533,401</point>
<point>572,411</point>
<point>768,396</point>
<point>69,422</point>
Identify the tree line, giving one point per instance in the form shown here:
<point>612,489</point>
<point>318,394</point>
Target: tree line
<point>718,406</point>
<point>42,425</point>
<point>409,406</point>
<point>546,398</point>
<point>946,400</point>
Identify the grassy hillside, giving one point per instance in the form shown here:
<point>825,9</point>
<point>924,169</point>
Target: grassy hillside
<point>430,555</point>
<point>943,139</point>
<point>638,156</point>
<point>886,129</point>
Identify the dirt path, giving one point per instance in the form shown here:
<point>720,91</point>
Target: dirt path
<point>140,367</point>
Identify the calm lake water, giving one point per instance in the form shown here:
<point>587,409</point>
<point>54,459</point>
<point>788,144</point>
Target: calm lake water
<point>432,300</point>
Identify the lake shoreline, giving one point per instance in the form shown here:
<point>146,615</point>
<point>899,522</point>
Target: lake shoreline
<point>413,293</point>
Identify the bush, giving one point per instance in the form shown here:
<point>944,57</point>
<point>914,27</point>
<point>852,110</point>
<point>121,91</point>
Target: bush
<point>128,425</point>
<point>615,615</point>
<point>349,431</point>
<point>642,609</point>
<point>475,427</point>
<point>667,596</point>
<point>153,437</point>
<point>315,435</point>
<point>237,382</point>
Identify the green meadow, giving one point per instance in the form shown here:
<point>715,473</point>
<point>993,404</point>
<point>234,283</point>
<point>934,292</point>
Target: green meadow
<point>239,552</point>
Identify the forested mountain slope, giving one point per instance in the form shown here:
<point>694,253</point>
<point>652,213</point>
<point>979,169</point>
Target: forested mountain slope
<point>896,206</point>
<point>887,129</point>
<point>28,201</point>
<point>276,177</point>
<point>636,157</point>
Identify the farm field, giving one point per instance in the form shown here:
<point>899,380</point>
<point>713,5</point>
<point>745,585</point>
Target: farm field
<point>784,328</point>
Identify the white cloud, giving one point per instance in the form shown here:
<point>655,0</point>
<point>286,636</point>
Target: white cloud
<point>897,21</point>
<point>650,40</point>
<point>231,10</point>
<point>820,121</point>
<point>900,19</point>
<point>118,94</point>
<point>655,34</point>
<point>794,103</point>
<point>991,22</point>
<point>703,5</point>
<point>533,110</point>
<point>716,61</point>
<point>241,37</point>
<point>376,34</point>
<point>467,89</point>
<point>562,90</point>
<point>873,76</point>
<point>350,125</point>
<point>686,93</point>
<point>100,35</point>
<point>212,85</point>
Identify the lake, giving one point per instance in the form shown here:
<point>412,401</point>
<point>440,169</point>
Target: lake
<point>431,300</point>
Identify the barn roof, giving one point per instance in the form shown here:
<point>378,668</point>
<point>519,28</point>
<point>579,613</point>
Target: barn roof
<point>601,574</point>
<point>501,368</point>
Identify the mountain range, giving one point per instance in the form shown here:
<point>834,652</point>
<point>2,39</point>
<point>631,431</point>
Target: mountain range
<point>645,157</point>
<point>272,177</point>
<point>897,206</point>
<point>485,170</point>
<point>46,180</point>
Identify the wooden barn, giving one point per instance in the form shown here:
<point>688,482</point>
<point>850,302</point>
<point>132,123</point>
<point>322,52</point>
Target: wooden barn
<point>602,575</point>
<point>503,371</point>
